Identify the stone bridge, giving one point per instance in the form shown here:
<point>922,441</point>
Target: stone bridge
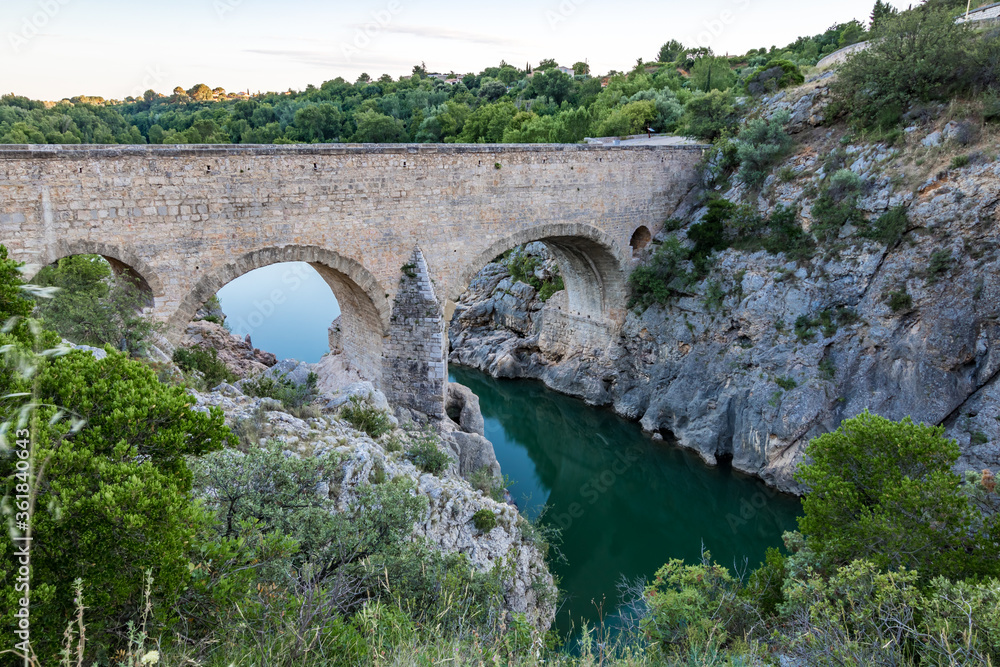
<point>397,231</point>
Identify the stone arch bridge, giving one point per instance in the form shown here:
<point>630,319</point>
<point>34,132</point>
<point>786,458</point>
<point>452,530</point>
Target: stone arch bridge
<point>397,231</point>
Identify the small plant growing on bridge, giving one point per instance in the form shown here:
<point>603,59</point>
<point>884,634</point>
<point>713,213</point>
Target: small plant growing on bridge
<point>485,520</point>
<point>410,270</point>
<point>364,416</point>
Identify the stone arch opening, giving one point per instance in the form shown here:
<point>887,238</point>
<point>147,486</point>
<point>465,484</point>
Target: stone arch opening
<point>365,310</point>
<point>124,263</point>
<point>590,262</point>
<point>641,239</point>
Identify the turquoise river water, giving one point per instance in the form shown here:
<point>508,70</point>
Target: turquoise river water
<point>625,503</point>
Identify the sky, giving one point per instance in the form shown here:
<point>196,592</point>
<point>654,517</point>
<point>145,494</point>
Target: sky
<point>53,49</point>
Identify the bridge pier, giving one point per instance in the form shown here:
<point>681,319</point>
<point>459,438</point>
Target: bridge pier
<point>415,365</point>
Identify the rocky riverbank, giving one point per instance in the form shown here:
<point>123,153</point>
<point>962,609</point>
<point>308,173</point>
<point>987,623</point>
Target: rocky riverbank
<point>767,352</point>
<point>317,429</point>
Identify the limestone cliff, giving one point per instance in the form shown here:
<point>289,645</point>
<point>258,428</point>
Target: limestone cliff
<point>766,353</point>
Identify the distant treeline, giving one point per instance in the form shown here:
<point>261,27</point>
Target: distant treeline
<point>500,104</point>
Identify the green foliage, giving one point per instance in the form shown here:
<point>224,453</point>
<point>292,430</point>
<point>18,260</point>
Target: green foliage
<point>939,264</point>
<point>890,226</point>
<point>763,586</point>
<point>205,361</point>
<point>960,161</point>
<point>110,490</point>
<point>837,204</point>
<point>484,520</point>
<point>712,73</point>
<point>786,383</point>
<point>899,300</point>
<point>364,416</point>
<point>425,453</point>
<point>522,267</point>
<point>804,328</point>
<point>920,55</point>
<point>689,604</point>
<point>92,305</point>
<point>761,144</point>
<point>670,52</point>
<point>884,491</point>
<point>775,75</point>
<point>283,389</point>
<point>708,116</point>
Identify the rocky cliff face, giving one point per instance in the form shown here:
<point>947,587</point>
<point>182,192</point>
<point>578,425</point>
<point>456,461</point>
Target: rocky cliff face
<point>767,353</point>
<point>448,524</point>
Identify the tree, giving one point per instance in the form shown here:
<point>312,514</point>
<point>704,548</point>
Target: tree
<point>318,122</point>
<point>670,52</point>
<point>94,306</point>
<point>200,93</point>
<point>712,73</point>
<point>921,55</point>
<point>508,75</point>
<point>885,491</point>
<point>881,11</point>
<point>115,498</point>
<point>708,116</point>
<point>487,123</point>
<point>377,128</point>
<point>581,69</point>
<point>492,90</point>
<point>551,83</point>
<point>548,63</point>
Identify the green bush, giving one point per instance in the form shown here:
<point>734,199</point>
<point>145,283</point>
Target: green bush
<point>920,55</point>
<point>485,520</point>
<point>290,394</point>
<point>364,416</point>
<point>762,143</point>
<point>708,116</point>
<point>786,383</point>
<point>960,161</point>
<point>763,587</point>
<point>206,361</point>
<point>899,300</point>
<point>110,490</point>
<point>940,263</point>
<point>425,453</point>
<point>884,491</point>
<point>775,75</point>
<point>93,306</point>
<point>890,226</point>
<point>837,204</point>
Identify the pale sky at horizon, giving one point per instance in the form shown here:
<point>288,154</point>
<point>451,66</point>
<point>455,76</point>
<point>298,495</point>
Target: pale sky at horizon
<point>53,49</point>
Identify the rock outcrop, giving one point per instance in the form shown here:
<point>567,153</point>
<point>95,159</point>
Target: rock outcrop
<point>783,351</point>
<point>237,353</point>
<point>448,524</point>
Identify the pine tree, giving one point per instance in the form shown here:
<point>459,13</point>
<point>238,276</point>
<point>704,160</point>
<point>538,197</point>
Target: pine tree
<point>881,11</point>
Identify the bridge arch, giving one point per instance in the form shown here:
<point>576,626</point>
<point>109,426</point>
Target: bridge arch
<point>591,263</point>
<point>123,261</point>
<point>365,310</point>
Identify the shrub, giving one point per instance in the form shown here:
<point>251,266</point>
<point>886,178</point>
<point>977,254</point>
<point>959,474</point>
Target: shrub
<point>425,453</point>
<point>283,389</point>
<point>775,75</point>
<point>762,143</point>
<point>763,587</point>
<point>657,280</point>
<point>485,520</point>
<point>804,328</point>
<point>364,416</point>
<point>917,56</point>
<point>114,488</point>
<point>206,361</point>
<point>837,204</point>
<point>885,491</point>
<point>93,305</point>
<point>959,161</point>
<point>786,383</point>
<point>940,263</point>
<point>709,115</point>
<point>890,226</point>
<point>899,300</point>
